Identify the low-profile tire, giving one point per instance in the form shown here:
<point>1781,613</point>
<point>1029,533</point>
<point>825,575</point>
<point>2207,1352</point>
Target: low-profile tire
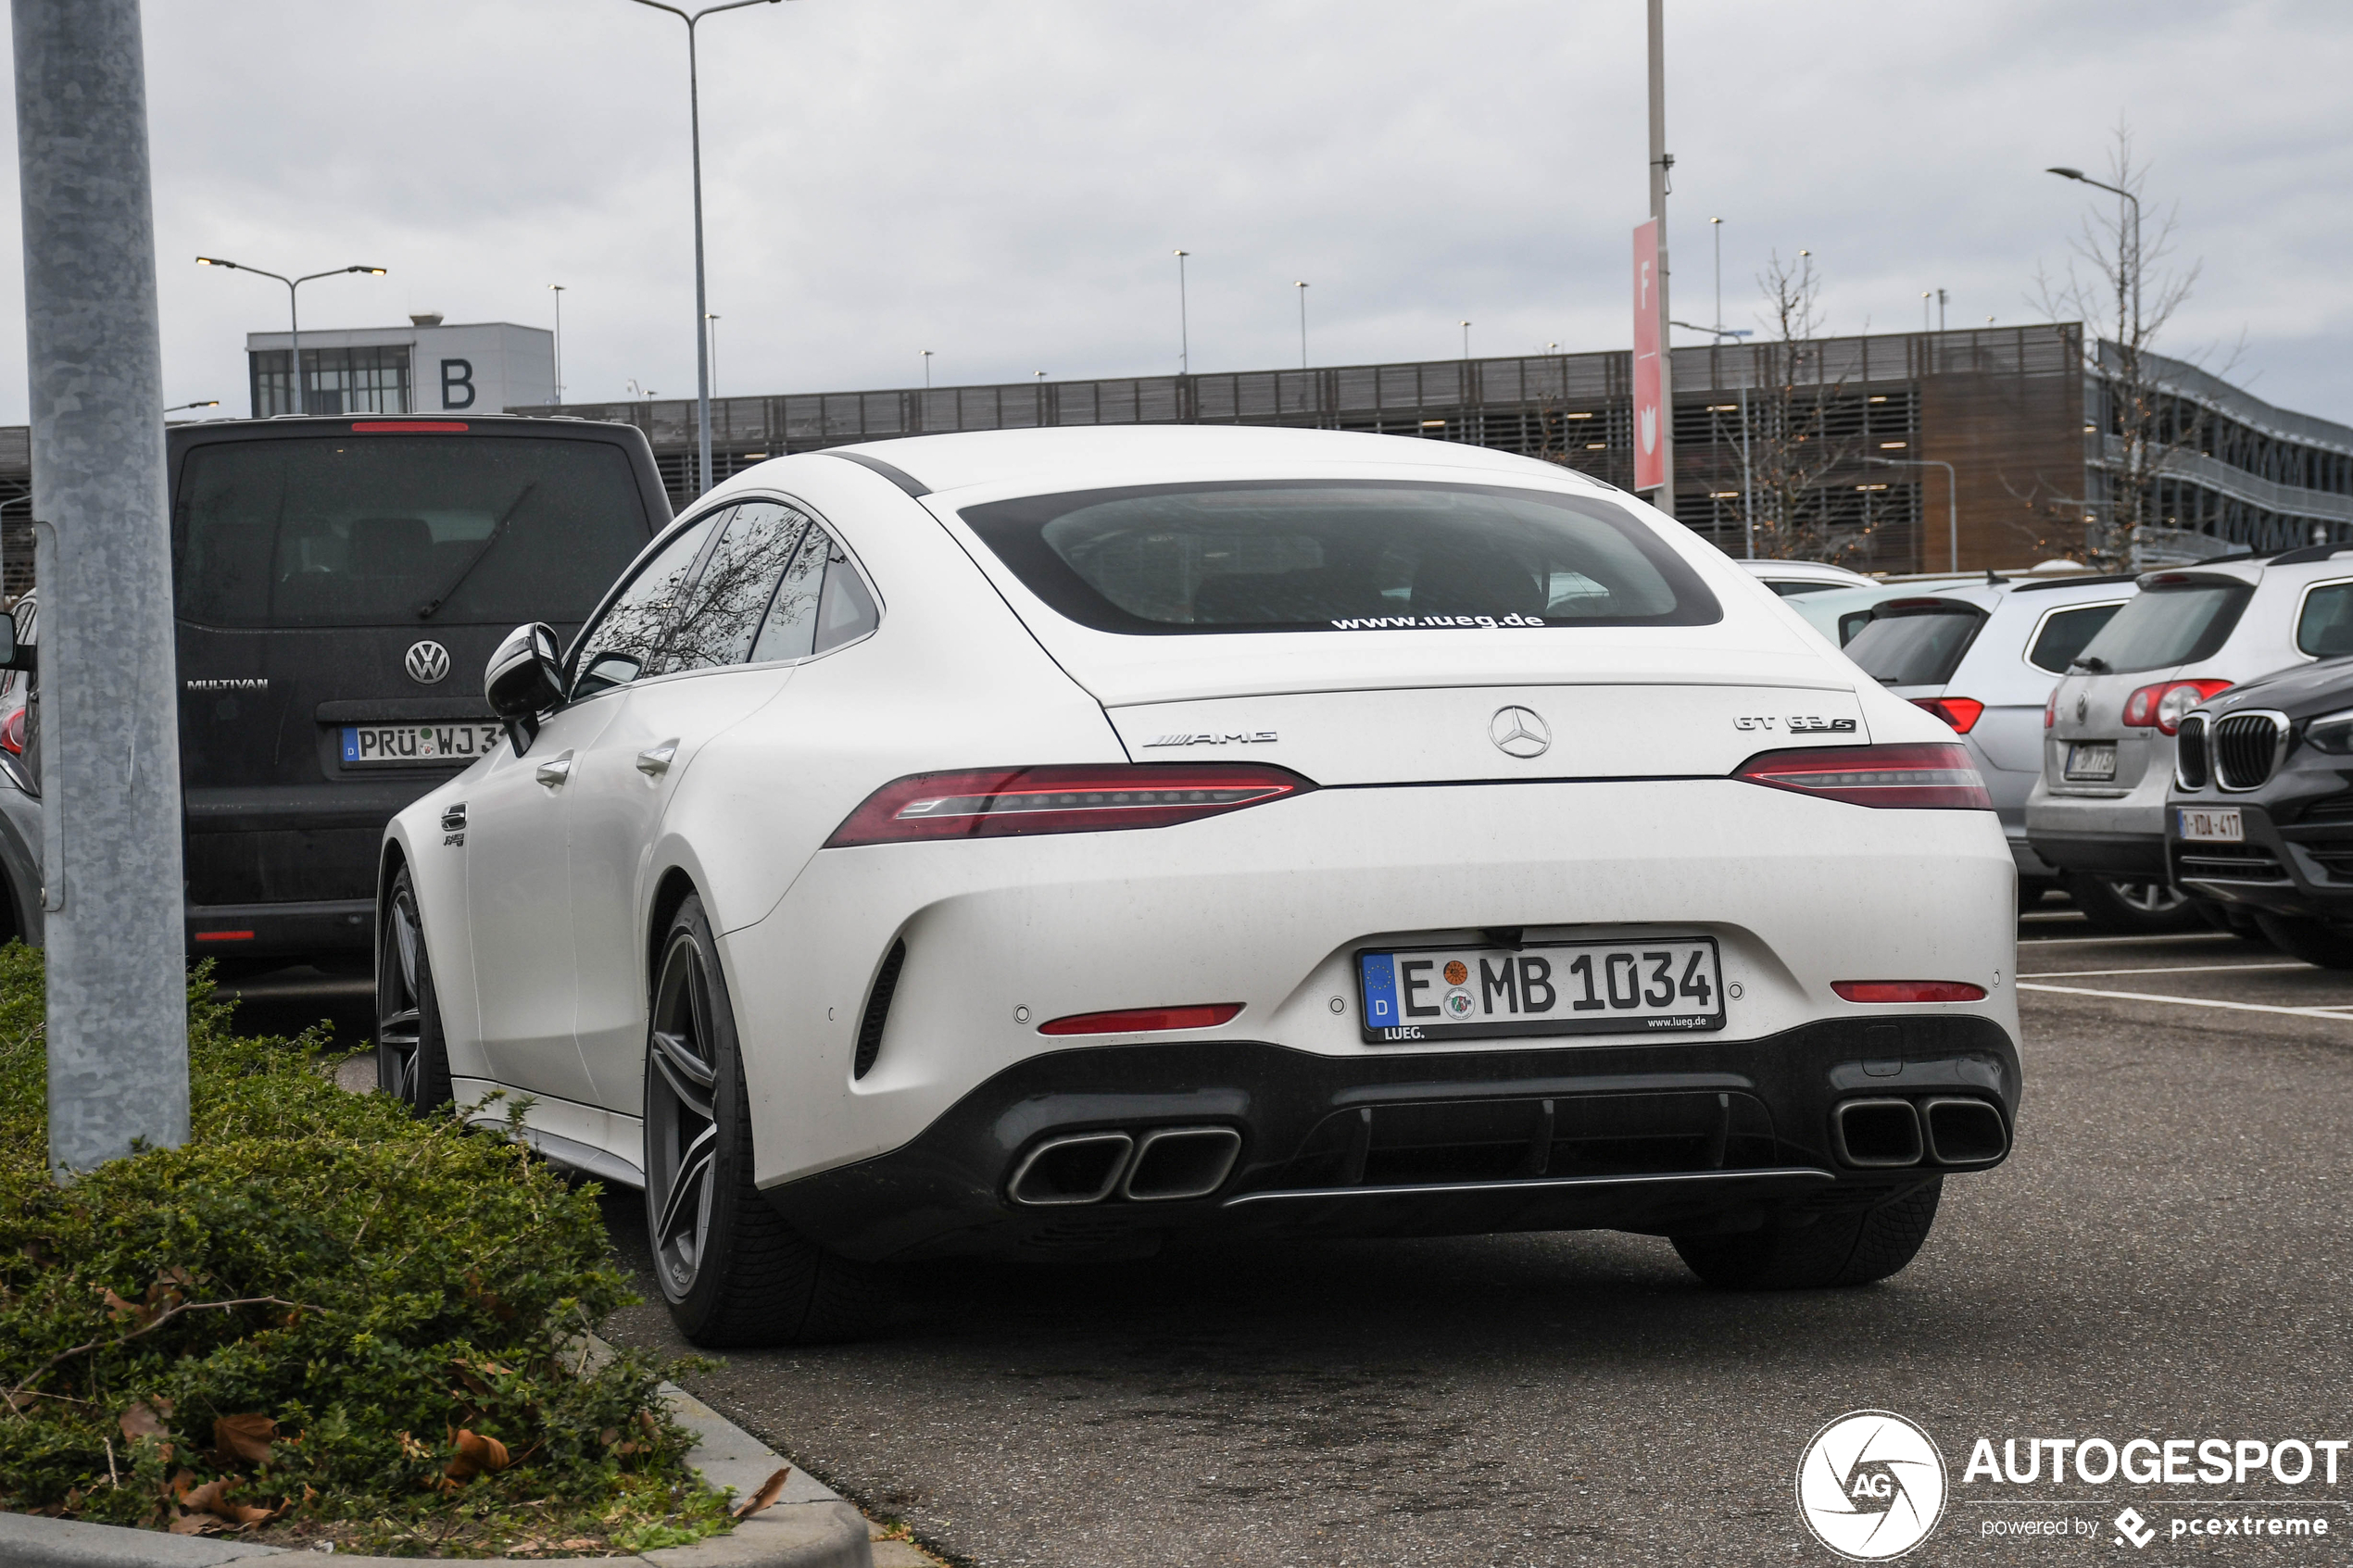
<point>2314,941</point>
<point>2126,907</point>
<point>1837,1249</point>
<point>412,1055</point>
<point>731,1271</point>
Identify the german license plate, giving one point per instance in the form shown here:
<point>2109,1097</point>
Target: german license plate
<point>2212,827</point>
<point>1667,985</point>
<point>366,745</point>
<point>2093,762</point>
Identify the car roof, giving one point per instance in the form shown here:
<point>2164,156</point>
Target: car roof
<point>1055,458</point>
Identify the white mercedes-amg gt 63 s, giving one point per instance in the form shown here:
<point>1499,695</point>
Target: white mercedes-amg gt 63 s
<point>1053,842</point>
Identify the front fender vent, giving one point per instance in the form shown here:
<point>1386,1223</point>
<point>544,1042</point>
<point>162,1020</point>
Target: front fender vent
<point>870,1028</point>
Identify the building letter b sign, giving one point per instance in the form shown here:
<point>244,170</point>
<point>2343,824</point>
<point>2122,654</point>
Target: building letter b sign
<point>457,383</point>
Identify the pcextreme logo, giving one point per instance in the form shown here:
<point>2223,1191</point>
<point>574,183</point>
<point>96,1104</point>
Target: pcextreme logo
<point>1870,1486</point>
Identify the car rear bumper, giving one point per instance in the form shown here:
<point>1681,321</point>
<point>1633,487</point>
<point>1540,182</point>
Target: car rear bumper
<point>223,931</point>
<point>1692,1137</point>
<point>2108,854</point>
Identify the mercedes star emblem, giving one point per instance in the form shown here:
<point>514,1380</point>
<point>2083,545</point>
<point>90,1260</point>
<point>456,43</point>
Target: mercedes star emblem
<point>1517,732</point>
<point>428,663</point>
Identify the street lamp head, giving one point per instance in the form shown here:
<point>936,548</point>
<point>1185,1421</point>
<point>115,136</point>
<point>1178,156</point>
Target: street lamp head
<point>1716,221</point>
<point>2065,173</point>
<point>215,261</point>
<point>371,272</point>
<point>558,287</point>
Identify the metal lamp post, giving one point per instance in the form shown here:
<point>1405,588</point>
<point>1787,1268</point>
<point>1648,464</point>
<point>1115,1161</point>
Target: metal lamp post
<point>299,404</point>
<point>1952,496</point>
<point>1184,321</point>
<point>1301,287</point>
<point>558,290</point>
<point>694,119</point>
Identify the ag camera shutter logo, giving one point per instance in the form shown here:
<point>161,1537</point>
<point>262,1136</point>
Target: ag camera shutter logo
<point>1870,1486</point>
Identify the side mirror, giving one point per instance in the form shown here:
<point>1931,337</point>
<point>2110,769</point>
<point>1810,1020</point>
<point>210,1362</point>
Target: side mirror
<point>524,680</point>
<point>13,655</point>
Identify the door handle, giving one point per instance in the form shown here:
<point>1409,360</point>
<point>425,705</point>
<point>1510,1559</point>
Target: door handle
<point>654,760</point>
<point>555,770</point>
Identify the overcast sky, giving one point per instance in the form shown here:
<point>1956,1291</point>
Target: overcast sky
<point>1003,181</point>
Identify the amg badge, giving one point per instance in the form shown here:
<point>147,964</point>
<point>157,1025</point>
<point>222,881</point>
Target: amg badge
<point>1254,737</point>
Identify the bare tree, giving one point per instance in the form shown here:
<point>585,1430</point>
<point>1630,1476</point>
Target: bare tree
<point>1794,447</point>
<point>2117,284</point>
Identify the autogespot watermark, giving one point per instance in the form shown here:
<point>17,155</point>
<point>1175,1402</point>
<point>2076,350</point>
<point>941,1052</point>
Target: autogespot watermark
<point>1871,1486</point>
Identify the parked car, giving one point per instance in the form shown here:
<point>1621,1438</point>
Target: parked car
<point>1795,579</point>
<point>1048,842</point>
<point>1984,658</point>
<point>334,577</point>
<point>21,884</point>
<point>1839,613</point>
<point>2260,816</point>
<point>2099,808</point>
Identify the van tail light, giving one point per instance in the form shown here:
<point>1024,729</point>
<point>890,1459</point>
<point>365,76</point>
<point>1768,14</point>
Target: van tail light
<point>1908,990</point>
<point>2050,708</point>
<point>12,733</point>
<point>1141,1020</point>
<point>2164,704</point>
<point>1008,802</point>
<point>1958,712</point>
<point>1933,775</point>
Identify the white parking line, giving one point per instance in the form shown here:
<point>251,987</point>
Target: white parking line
<point>2343,1014</point>
<point>2169,969</point>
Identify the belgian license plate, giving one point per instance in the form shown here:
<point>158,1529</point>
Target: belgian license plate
<point>1669,986</point>
<point>2091,761</point>
<point>2212,827</point>
<point>366,745</point>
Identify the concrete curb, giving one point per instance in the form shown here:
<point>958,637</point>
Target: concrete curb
<point>808,1526</point>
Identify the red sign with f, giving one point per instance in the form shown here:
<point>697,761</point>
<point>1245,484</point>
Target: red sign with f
<point>1650,437</point>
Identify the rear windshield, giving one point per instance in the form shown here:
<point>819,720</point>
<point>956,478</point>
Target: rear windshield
<point>2165,626</point>
<point>1915,648</point>
<point>385,529</point>
<point>1340,556</point>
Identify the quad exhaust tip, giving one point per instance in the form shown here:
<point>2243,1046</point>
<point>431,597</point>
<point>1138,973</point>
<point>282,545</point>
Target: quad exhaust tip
<point>1174,1163</point>
<point>1957,1132</point>
<point>1081,1168</point>
<point>1964,1132</point>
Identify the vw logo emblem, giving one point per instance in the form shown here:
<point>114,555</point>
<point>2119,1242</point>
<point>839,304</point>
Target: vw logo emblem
<point>1517,732</point>
<point>428,663</point>
<point>2083,706</point>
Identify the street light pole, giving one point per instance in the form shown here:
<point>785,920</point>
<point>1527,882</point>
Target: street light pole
<point>1184,321</point>
<point>926,370</point>
<point>2130,349</point>
<point>558,290</point>
<point>1467,327</point>
<point>1952,496</point>
<point>694,121</point>
<point>714,331</point>
<point>296,402</point>
<point>1303,324</point>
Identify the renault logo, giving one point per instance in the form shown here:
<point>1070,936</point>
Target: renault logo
<point>428,663</point>
<point>1517,732</point>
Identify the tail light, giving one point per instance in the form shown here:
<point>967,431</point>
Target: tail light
<point>1908,990</point>
<point>1137,1021</point>
<point>1933,775</point>
<point>2164,704</point>
<point>1007,802</point>
<point>12,733</point>
<point>1959,711</point>
<point>2050,708</point>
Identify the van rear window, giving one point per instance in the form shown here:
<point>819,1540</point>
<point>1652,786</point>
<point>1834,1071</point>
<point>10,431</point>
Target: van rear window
<point>1340,556</point>
<point>398,530</point>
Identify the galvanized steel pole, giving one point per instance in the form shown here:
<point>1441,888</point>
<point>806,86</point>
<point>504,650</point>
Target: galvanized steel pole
<point>1661,163</point>
<point>118,1022</point>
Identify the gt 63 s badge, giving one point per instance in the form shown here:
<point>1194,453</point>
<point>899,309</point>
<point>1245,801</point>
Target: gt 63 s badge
<point>1797,724</point>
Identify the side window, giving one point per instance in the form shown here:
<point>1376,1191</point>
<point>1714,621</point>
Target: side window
<point>790,631</point>
<point>629,639</point>
<point>846,611</point>
<point>2325,630</point>
<point>2064,634</point>
<point>723,609</point>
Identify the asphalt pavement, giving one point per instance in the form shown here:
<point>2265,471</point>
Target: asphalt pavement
<point>2163,1258</point>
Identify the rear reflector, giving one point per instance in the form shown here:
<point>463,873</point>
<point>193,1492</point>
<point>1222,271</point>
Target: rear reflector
<point>1931,775</point>
<point>1908,990</point>
<point>1958,712</point>
<point>1138,1020</point>
<point>401,427</point>
<point>1006,802</point>
<point>224,936</point>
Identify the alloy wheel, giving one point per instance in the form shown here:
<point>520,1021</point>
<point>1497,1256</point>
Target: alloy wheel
<point>399,1017</point>
<point>2150,897</point>
<point>682,1133</point>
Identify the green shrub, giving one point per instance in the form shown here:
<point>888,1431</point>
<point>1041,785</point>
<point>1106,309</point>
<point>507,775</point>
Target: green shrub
<point>345,1315</point>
